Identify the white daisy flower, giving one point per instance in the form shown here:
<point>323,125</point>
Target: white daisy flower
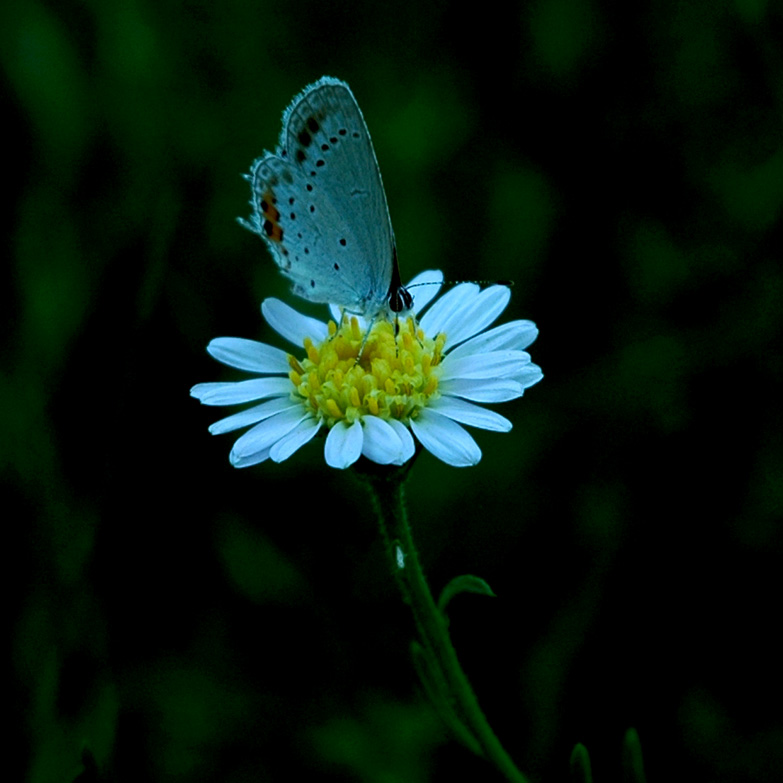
<point>373,393</point>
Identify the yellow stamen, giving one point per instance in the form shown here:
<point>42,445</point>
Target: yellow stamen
<point>333,409</point>
<point>312,353</point>
<point>392,372</point>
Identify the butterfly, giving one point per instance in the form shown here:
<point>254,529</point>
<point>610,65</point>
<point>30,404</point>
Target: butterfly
<point>318,202</point>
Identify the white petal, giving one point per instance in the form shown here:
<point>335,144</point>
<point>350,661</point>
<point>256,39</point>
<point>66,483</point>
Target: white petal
<point>292,325</point>
<point>445,439</point>
<point>481,312</point>
<point>242,391</point>
<point>336,312</point>
<point>266,433</point>
<point>343,444</point>
<point>497,364</point>
<point>529,375</point>
<point>486,390</point>
<point>470,414</point>
<point>201,390</point>
<point>381,442</point>
<point>513,335</point>
<point>253,415</point>
<point>404,434</point>
<point>442,314</point>
<point>249,355</point>
<point>424,288</point>
<point>250,459</point>
<point>304,432</point>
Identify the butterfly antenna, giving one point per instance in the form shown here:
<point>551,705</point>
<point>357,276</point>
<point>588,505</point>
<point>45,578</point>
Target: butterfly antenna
<point>509,283</point>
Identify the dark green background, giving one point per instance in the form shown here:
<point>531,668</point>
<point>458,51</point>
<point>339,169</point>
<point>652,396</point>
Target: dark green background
<point>184,621</point>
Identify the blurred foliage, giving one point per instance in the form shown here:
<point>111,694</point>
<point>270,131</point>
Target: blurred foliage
<point>175,619</point>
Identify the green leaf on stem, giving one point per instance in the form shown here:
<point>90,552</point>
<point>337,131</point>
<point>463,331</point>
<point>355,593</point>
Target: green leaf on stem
<point>467,583</point>
<point>431,676</point>
<point>581,772</point>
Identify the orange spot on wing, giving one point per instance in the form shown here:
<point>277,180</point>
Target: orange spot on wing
<point>271,215</point>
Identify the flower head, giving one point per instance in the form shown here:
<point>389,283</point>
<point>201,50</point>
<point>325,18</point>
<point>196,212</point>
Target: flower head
<point>375,385</point>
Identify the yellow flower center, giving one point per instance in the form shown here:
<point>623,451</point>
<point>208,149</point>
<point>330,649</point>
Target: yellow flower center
<point>353,374</point>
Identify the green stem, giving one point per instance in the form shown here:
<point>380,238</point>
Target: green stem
<point>386,487</point>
